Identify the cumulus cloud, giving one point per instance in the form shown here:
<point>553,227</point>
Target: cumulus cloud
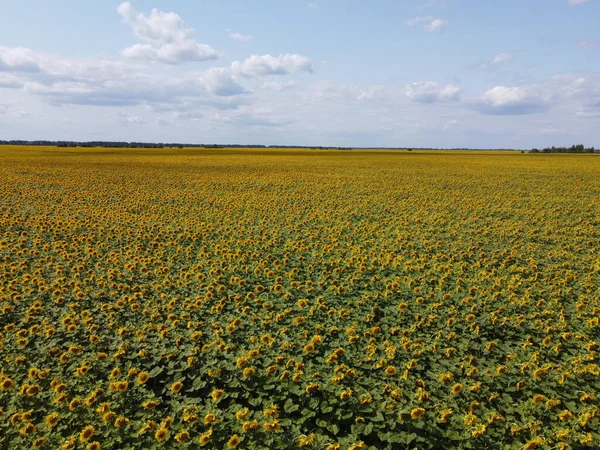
<point>513,100</point>
<point>429,23</point>
<point>219,81</point>
<point>239,36</point>
<point>167,38</point>
<point>18,59</point>
<point>262,65</point>
<point>432,92</point>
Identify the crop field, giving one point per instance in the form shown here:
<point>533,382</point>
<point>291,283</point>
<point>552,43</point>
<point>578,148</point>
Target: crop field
<point>282,299</point>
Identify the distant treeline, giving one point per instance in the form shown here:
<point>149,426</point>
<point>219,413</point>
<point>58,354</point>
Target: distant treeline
<point>119,144</point>
<point>573,149</point>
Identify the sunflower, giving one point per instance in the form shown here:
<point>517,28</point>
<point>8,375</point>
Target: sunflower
<point>478,431</point>
<point>86,433</point>
<point>210,418</point>
<point>216,394</point>
<point>457,389</point>
<point>176,387</point>
<point>93,446</point>
<point>310,347</point>
<point>445,415</point>
<point>391,371</point>
<point>272,426</point>
<point>121,421</point>
<point>206,437</point>
<point>39,442</point>
<point>417,413</point>
<point>51,419</point>
<point>7,384</point>
<point>182,437</point>
<point>143,377</point>
<point>161,434</point>
<point>251,425</point>
<point>233,441</point>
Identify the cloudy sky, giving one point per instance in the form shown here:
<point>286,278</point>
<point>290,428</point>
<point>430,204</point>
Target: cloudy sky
<point>423,73</point>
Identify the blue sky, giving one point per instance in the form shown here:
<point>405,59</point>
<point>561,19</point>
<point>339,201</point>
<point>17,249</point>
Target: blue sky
<point>423,73</point>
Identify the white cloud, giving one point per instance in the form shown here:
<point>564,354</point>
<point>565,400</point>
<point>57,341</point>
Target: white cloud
<point>219,81</point>
<point>436,25</point>
<point>3,108</point>
<point>167,38</point>
<point>18,59</point>
<point>239,36</point>
<point>432,92</point>
<point>261,65</point>
<point>501,58</point>
<point>429,23</point>
<point>577,2</point>
<point>513,100</point>
<point>10,81</point>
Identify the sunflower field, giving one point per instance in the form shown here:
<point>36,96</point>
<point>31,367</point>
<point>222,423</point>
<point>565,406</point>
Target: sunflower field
<point>283,299</point>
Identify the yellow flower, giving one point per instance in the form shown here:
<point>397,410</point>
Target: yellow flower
<point>313,387</point>
<point>7,384</point>
<point>86,433</point>
<point>176,387</point>
<point>565,415</point>
<point>252,425</point>
<point>150,404</point>
<point>206,437</point>
<point>445,377</point>
<point>478,431</point>
<point>216,394</point>
<point>417,413</point>
<point>121,421</point>
<point>445,415</point>
<point>390,371</point>
<point>272,426</point>
<point>73,404</point>
<point>242,414</point>
<point>161,434</point>
<point>143,377</point>
<point>537,399</point>
<point>210,418</point>
<point>39,442</point>
<point>457,388</point>
<point>182,436</point>
<point>530,445</point>
<point>346,394</point>
<point>563,434</point>
<point>93,446</point>
<point>51,419</point>
<point>234,441</point>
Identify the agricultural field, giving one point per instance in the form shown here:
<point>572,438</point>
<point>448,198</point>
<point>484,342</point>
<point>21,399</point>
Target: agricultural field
<point>280,299</point>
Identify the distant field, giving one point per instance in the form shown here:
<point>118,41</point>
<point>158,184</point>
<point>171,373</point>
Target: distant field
<point>278,299</point>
